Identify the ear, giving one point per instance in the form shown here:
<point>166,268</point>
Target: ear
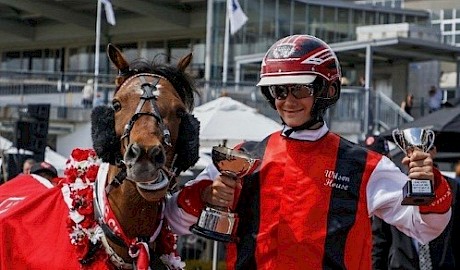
<point>118,59</point>
<point>184,62</point>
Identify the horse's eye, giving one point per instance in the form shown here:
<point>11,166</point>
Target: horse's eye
<point>116,105</point>
<point>181,113</point>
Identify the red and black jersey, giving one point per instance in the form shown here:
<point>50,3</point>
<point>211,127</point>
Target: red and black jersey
<point>314,206</point>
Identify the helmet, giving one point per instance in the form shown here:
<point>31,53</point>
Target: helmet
<point>302,59</point>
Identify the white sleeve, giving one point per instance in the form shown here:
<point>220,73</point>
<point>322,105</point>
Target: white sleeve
<point>384,197</point>
<point>179,220</point>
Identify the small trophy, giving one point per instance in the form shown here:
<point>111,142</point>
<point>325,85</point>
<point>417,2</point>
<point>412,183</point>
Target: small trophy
<point>220,223</point>
<point>415,191</point>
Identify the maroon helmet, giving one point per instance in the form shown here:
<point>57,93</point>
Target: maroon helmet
<point>302,59</point>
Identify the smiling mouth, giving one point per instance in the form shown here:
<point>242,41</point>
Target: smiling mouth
<point>160,183</point>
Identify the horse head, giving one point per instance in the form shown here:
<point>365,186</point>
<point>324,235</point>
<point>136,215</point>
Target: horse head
<point>147,135</point>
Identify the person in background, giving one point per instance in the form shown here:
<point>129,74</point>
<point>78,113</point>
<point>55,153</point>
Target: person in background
<point>307,205</point>
<point>392,249</point>
<point>457,171</point>
<point>42,176</point>
<point>434,99</point>
<point>88,94</point>
<point>407,104</point>
<point>28,163</point>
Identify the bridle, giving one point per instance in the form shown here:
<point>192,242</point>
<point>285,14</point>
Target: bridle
<point>150,93</point>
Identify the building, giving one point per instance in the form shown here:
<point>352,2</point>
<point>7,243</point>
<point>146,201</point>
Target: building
<point>48,47</point>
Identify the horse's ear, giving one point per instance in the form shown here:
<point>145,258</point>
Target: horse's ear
<point>118,59</point>
<point>184,62</point>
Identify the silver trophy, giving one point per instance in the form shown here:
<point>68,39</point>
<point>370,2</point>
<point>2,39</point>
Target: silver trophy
<point>415,191</point>
<point>220,223</point>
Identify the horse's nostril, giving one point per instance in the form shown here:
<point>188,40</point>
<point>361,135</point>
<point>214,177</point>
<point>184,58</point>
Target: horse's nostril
<point>156,153</point>
<point>133,152</point>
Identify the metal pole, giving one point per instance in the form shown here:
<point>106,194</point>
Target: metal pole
<point>96,50</point>
<point>226,45</point>
<point>208,48</point>
<point>367,86</point>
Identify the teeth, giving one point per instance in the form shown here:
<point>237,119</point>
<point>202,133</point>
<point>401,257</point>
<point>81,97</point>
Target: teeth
<point>155,185</point>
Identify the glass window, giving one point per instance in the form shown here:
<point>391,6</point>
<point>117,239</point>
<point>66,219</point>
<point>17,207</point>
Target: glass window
<point>457,26</point>
<point>11,61</point>
<point>300,18</point>
<point>155,50</point>
<point>447,27</point>
<point>448,14</point>
<point>447,39</point>
<point>314,20</point>
<point>284,18</point>
<point>457,39</point>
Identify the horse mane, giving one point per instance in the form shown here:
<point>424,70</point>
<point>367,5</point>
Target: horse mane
<point>182,82</point>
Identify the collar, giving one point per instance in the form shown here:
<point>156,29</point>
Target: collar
<point>306,134</point>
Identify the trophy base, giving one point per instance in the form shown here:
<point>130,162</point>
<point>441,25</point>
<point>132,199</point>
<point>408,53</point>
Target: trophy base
<point>216,223</point>
<point>418,192</point>
<point>212,235</point>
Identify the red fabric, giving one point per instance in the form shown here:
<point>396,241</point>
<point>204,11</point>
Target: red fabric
<point>293,196</point>
<point>443,196</point>
<point>33,235</point>
<point>15,191</point>
<point>190,197</point>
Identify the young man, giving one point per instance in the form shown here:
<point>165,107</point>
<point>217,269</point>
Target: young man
<point>308,204</point>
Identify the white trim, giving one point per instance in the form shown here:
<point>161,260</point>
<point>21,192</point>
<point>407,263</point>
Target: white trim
<point>287,79</point>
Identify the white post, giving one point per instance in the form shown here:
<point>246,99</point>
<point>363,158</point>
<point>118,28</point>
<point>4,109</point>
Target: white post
<point>207,59</point>
<point>226,45</point>
<point>96,50</point>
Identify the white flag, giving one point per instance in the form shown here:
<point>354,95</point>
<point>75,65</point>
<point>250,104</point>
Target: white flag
<point>237,16</point>
<point>109,15</point>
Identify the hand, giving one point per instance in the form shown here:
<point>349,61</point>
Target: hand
<point>420,165</point>
<point>222,191</point>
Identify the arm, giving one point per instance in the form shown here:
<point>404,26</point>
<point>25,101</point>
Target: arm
<point>384,195</point>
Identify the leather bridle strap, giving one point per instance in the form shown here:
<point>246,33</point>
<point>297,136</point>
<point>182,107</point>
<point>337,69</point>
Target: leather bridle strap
<point>149,93</point>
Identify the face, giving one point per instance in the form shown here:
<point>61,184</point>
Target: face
<point>295,111</point>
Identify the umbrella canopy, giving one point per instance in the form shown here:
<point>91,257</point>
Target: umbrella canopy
<point>227,119</point>
<point>446,125</point>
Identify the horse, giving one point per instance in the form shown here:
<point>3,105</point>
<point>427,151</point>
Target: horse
<point>108,210</point>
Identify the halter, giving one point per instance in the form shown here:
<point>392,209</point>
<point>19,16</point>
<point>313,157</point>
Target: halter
<point>150,93</point>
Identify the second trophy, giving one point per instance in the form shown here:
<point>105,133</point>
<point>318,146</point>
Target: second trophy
<point>220,223</point>
<point>415,191</point>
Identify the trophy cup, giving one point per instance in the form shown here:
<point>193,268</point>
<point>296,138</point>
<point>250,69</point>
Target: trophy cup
<point>216,222</point>
<point>415,191</point>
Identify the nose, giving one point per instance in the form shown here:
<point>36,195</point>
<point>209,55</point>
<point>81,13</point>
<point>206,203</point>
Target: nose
<point>135,152</point>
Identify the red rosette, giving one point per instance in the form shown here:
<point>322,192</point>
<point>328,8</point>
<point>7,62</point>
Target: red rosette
<point>91,172</point>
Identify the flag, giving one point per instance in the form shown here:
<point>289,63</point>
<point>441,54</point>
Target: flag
<point>237,16</point>
<point>109,15</point>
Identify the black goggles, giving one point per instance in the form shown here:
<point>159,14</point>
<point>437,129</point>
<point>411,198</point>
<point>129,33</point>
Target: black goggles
<point>299,91</point>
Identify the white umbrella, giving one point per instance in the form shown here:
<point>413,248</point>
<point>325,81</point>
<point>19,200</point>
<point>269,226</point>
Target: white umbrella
<point>227,119</point>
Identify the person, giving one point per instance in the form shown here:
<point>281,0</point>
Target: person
<point>434,99</point>
<point>457,171</point>
<point>407,104</point>
<point>392,249</point>
<point>42,176</point>
<point>307,205</point>
<point>27,165</point>
<point>88,94</point>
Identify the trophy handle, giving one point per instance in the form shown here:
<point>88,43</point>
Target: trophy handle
<point>396,133</point>
<point>430,136</point>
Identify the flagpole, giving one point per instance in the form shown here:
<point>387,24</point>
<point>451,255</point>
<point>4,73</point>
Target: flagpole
<point>226,45</point>
<point>96,50</point>
<point>208,49</point>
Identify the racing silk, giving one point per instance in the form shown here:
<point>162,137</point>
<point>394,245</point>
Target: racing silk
<point>308,201</point>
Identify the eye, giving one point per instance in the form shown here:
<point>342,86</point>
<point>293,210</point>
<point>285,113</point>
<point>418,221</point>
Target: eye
<point>116,105</point>
<point>181,113</point>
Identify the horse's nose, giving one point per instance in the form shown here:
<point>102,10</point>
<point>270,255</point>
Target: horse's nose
<point>154,153</point>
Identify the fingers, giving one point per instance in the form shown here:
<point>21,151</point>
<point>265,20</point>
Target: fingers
<point>420,165</point>
<point>222,191</point>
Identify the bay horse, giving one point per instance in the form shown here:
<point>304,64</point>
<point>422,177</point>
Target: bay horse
<point>108,210</point>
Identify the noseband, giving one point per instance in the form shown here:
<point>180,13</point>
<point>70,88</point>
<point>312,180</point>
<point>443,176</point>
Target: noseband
<point>150,93</point>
